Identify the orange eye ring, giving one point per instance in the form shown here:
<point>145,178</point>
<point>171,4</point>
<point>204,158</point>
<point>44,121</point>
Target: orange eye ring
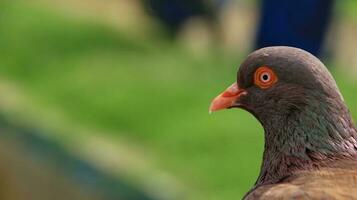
<point>264,77</point>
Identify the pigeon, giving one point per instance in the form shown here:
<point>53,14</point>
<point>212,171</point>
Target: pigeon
<point>310,149</point>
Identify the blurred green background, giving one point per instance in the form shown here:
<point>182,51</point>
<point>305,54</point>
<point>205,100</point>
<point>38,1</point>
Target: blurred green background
<point>104,70</point>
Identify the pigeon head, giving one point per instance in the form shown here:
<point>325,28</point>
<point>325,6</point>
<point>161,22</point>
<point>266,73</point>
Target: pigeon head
<point>296,99</point>
<point>279,81</point>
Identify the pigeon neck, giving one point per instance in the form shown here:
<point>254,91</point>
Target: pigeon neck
<point>308,139</point>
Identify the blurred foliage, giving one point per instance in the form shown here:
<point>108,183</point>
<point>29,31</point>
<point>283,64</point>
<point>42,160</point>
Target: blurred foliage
<point>348,8</point>
<point>147,89</point>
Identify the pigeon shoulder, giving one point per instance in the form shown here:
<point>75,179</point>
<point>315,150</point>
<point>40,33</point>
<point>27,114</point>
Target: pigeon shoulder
<point>277,191</point>
<point>338,181</point>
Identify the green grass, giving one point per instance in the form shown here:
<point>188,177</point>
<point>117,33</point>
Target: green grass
<point>148,90</point>
<point>348,8</point>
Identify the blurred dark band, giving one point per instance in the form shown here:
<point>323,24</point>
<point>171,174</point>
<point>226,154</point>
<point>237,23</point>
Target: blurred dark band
<point>174,13</point>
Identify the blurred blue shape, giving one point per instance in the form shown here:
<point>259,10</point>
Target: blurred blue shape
<point>297,23</point>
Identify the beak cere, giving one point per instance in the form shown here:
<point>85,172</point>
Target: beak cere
<point>227,99</point>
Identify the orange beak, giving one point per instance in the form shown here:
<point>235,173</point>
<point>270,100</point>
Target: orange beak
<point>227,99</point>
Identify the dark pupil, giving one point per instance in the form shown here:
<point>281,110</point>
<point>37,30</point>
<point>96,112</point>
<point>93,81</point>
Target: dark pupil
<point>265,77</point>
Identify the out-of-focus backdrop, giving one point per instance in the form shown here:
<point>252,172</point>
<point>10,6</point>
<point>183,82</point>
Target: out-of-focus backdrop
<point>108,99</point>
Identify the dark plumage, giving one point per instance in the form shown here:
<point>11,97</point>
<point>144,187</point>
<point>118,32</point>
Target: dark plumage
<point>310,139</point>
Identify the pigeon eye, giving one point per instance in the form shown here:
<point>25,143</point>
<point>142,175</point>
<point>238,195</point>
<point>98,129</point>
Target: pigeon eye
<point>265,77</point>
